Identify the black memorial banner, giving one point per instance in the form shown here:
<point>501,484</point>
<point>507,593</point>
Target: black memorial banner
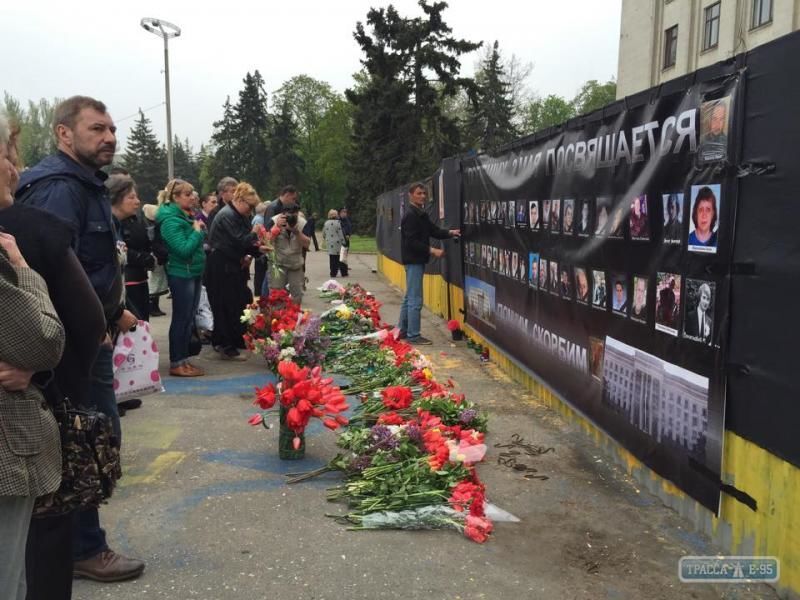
<point>599,257</point>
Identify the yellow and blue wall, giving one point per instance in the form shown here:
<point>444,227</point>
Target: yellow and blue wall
<point>772,530</point>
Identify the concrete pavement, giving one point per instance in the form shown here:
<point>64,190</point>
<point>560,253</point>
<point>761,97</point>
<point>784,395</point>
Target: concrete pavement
<point>204,502</point>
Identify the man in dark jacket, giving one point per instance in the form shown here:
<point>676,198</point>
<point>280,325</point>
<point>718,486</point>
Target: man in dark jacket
<point>416,230</point>
<point>71,186</point>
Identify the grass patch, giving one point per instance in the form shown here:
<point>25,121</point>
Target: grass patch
<point>363,245</point>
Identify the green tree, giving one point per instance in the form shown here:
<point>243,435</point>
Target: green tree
<point>326,166</point>
<point>251,128</point>
<point>309,100</point>
<point>146,160</point>
<point>287,165</point>
<point>185,162</point>
<point>36,136</point>
<point>400,128</point>
<point>492,112</point>
<point>221,160</point>
<point>594,95</point>
<point>546,112</point>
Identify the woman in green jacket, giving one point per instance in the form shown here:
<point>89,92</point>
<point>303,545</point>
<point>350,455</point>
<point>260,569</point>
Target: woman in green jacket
<point>183,236</point>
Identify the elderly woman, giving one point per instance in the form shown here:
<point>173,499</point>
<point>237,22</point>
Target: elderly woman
<point>334,239</point>
<point>183,236</point>
<point>31,340</point>
<point>45,243</point>
<point>231,239</point>
<point>132,231</point>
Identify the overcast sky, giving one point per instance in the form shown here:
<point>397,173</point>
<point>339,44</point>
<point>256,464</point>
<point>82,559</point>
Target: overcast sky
<point>56,48</point>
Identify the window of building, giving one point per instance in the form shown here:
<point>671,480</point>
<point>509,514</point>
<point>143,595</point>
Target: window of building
<point>670,46</point>
<point>762,12</point>
<point>711,26</point>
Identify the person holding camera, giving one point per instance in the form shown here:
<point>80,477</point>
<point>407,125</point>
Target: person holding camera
<point>289,246</point>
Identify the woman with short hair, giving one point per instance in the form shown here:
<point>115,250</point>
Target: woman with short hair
<point>231,240</point>
<point>132,231</point>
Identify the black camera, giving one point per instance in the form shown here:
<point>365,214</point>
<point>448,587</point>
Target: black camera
<point>291,216</point>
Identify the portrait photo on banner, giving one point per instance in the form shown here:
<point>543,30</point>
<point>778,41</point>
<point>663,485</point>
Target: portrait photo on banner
<point>673,218</point>
<point>543,273</point>
<point>533,269</point>
<point>698,323</point>
<point>581,285</point>
<point>545,215</point>
<point>522,218</point>
<point>706,201</point>
<point>617,218</point>
<point>511,213</point>
<point>599,293</point>
<point>639,219</point>
<point>714,126</point>
<point>596,352</point>
<point>602,215</point>
<point>619,294</point>
<point>554,278</point>
<point>533,215</point>
<point>569,216</point>
<point>555,215</point>
<point>639,306</point>
<point>668,302</point>
<point>566,282</point>
<point>583,227</point>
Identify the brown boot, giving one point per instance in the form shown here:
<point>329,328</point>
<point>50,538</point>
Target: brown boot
<point>108,566</point>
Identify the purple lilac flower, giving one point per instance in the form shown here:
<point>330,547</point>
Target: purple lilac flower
<point>359,463</point>
<point>414,433</point>
<point>382,438</point>
<point>466,416</point>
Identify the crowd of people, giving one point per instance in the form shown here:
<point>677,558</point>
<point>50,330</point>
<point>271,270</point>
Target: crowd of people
<point>82,260</point>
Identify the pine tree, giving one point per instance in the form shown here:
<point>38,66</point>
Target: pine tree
<point>222,160</point>
<point>146,160</point>
<point>251,133</point>
<point>400,129</point>
<point>491,115</point>
<point>286,163</point>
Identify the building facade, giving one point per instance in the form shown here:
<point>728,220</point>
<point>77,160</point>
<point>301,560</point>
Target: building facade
<point>664,39</point>
<point>657,400</point>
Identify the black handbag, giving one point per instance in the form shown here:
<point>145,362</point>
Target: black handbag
<point>90,462</point>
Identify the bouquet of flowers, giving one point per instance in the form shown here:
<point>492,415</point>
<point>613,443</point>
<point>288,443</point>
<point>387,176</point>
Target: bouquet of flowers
<point>303,394</point>
<point>266,238</point>
<point>278,330</point>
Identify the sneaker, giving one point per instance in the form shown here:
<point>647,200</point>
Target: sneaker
<point>420,341</point>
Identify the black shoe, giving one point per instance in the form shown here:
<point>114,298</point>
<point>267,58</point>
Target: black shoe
<point>232,354</point>
<point>403,335</point>
<point>129,404</point>
<point>157,312</point>
<point>420,341</point>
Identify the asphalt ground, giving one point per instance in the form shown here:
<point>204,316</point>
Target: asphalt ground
<point>204,502</point>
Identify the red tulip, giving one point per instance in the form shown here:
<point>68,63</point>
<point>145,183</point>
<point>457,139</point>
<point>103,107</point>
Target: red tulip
<point>256,419</point>
<point>330,424</point>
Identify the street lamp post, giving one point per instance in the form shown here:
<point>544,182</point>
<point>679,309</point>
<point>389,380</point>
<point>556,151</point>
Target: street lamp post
<point>165,30</point>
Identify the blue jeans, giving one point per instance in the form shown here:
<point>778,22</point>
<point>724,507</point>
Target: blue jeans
<point>411,307</point>
<point>89,539</point>
<point>185,299</point>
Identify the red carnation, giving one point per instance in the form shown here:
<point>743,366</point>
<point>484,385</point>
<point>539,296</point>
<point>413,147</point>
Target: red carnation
<point>453,325</point>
